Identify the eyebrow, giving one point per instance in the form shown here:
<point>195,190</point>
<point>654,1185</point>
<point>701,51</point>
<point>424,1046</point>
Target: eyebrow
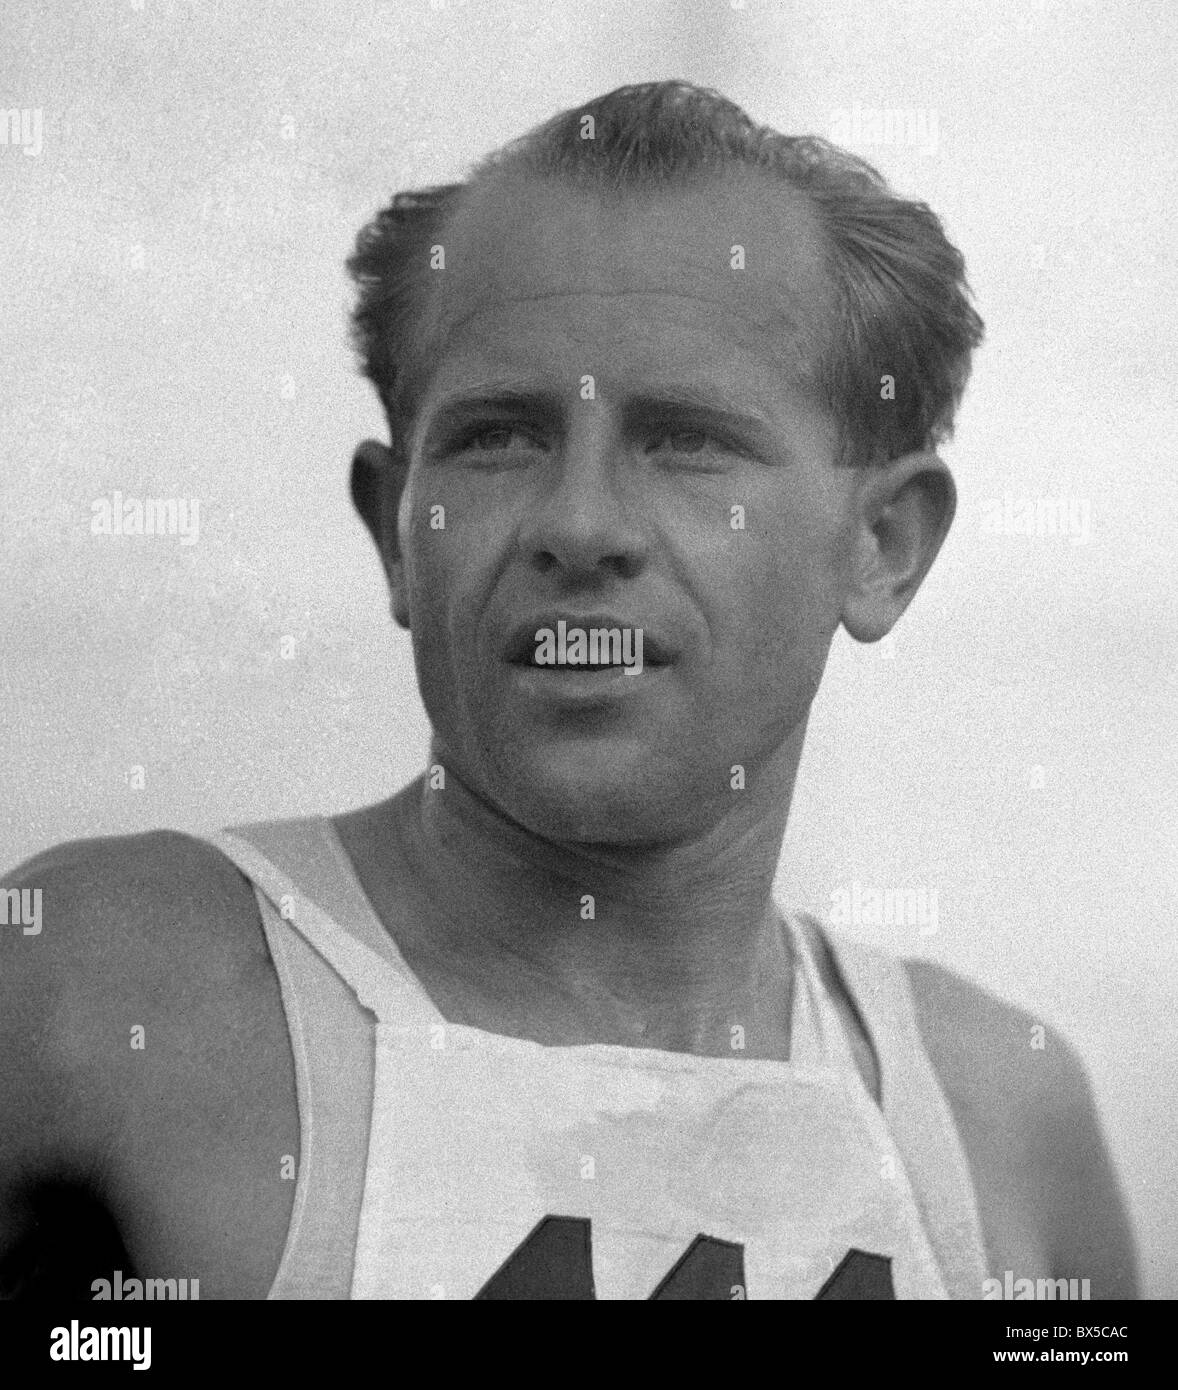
<point>702,406</point>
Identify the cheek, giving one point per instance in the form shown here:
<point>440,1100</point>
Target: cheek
<point>777,620</point>
<point>785,616</point>
<point>428,556</point>
<point>449,563</point>
<point>790,584</point>
<point>433,547</point>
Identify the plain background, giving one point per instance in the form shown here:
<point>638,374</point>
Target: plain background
<point>173,306</point>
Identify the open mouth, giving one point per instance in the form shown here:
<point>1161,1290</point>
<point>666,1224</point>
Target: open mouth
<point>584,667</point>
<point>596,643</point>
<point>534,661</point>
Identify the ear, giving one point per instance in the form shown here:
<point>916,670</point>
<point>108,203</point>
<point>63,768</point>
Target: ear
<point>904,511</point>
<point>378,480</point>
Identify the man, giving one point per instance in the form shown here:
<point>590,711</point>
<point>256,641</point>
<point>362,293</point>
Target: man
<point>664,391</point>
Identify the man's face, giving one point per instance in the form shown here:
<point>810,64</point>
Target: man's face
<point>616,435</point>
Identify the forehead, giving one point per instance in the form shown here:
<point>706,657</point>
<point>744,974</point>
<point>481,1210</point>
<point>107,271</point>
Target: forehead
<point>731,260</point>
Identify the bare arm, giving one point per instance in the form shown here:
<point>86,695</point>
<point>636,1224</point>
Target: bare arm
<point>100,1142</point>
<point>1028,1121</point>
<point>54,1132</point>
<point>1089,1224</point>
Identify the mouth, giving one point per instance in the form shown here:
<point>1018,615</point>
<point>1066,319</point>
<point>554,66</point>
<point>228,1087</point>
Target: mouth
<point>608,643</point>
<point>586,689</point>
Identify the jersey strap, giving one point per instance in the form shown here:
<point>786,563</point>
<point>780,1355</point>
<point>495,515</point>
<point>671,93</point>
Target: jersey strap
<point>917,1112</point>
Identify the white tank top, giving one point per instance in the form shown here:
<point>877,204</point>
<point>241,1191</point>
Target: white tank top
<point>442,1161</point>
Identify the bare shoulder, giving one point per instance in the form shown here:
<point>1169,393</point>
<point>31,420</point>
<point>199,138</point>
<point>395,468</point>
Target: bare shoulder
<point>1025,1109</point>
<point>982,1045</point>
<point>118,908</point>
<point>113,936</point>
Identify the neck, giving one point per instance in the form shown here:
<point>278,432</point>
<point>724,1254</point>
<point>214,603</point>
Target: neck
<point>678,947</point>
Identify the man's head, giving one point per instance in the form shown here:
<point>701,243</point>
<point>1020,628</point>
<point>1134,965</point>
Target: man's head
<point>656,365</point>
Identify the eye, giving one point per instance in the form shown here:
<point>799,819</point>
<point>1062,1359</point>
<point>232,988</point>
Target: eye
<point>683,441</point>
<point>493,438</point>
<point>704,448</point>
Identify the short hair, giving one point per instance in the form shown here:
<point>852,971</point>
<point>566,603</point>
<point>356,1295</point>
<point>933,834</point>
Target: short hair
<point>900,304</point>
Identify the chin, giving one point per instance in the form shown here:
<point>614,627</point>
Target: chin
<point>619,800</point>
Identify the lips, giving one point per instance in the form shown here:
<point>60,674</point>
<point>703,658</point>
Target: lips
<point>520,648</point>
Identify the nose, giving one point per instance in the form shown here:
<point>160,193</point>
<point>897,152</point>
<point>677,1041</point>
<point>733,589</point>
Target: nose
<point>581,524</point>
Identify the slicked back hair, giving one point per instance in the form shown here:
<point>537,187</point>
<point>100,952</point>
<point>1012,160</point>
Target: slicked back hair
<point>901,305</point>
